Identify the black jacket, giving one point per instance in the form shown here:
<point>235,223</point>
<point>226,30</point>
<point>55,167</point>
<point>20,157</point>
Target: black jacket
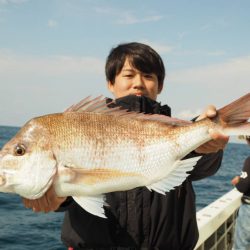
<point>244,184</point>
<point>140,219</point>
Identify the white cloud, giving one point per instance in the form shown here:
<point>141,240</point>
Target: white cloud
<point>51,65</point>
<point>215,24</point>
<point>182,34</point>
<point>105,10</point>
<point>52,23</point>
<point>199,52</point>
<point>13,1</point>
<point>128,18</point>
<point>159,47</point>
<point>232,72</point>
<point>216,53</point>
<point>205,27</point>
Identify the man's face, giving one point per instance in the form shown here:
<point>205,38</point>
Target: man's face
<point>130,81</point>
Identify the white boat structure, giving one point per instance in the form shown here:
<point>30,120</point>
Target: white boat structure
<point>216,222</point>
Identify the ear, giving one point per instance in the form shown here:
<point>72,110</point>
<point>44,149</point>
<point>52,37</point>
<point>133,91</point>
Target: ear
<point>110,86</point>
<point>160,87</point>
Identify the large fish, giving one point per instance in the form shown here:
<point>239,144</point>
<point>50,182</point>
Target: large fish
<point>92,149</point>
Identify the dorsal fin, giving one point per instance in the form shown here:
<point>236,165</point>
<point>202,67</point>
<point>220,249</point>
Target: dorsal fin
<point>89,105</point>
<point>99,105</point>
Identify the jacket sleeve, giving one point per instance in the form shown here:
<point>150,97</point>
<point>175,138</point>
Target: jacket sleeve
<point>208,165</point>
<point>65,205</point>
<point>244,184</point>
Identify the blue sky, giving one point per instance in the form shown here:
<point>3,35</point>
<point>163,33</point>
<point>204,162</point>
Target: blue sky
<point>52,53</point>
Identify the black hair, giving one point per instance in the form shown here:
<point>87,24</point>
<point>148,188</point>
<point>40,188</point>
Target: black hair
<point>141,56</point>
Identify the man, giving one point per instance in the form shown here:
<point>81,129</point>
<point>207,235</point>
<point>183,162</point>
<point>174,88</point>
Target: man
<point>138,218</point>
<point>242,227</point>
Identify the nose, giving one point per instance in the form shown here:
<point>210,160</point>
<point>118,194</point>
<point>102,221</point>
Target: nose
<point>138,81</point>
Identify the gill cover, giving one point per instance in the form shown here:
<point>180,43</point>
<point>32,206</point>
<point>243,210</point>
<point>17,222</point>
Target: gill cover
<point>36,175</point>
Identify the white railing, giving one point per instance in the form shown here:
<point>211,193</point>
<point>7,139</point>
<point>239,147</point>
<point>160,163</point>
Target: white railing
<point>216,222</point>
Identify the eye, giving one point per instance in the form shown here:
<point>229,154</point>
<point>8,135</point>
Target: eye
<point>128,75</point>
<point>148,76</point>
<point>19,150</point>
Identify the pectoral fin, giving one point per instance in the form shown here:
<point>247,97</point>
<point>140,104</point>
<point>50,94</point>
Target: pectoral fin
<point>176,177</point>
<point>81,175</point>
<point>92,204</point>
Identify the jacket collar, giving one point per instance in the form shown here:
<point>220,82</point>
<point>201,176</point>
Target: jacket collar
<point>141,104</point>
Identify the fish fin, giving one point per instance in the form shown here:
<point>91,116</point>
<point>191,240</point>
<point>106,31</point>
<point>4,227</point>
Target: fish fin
<point>95,175</point>
<point>176,177</point>
<point>237,111</point>
<point>96,105</point>
<point>234,117</point>
<point>100,105</point>
<point>92,204</point>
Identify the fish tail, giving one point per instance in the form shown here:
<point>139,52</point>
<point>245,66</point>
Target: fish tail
<point>234,117</point>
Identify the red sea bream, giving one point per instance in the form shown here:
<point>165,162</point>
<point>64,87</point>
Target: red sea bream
<point>91,149</point>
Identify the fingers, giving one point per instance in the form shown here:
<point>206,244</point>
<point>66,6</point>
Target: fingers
<point>216,135</point>
<point>209,147</point>
<point>209,112</point>
<point>235,180</point>
<point>218,142</point>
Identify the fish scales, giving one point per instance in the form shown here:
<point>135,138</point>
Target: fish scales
<point>103,136</point>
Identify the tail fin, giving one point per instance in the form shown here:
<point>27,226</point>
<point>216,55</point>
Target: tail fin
<point>234,116</point>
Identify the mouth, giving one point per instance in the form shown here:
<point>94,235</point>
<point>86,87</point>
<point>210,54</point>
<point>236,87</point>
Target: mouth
<point>139,94</point>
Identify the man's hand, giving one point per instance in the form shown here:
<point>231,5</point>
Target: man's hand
<point>219,141</point>
<point>47,203</point>
<point>235,180</point>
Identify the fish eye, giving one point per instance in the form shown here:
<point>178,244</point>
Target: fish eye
<point>19,150</point>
